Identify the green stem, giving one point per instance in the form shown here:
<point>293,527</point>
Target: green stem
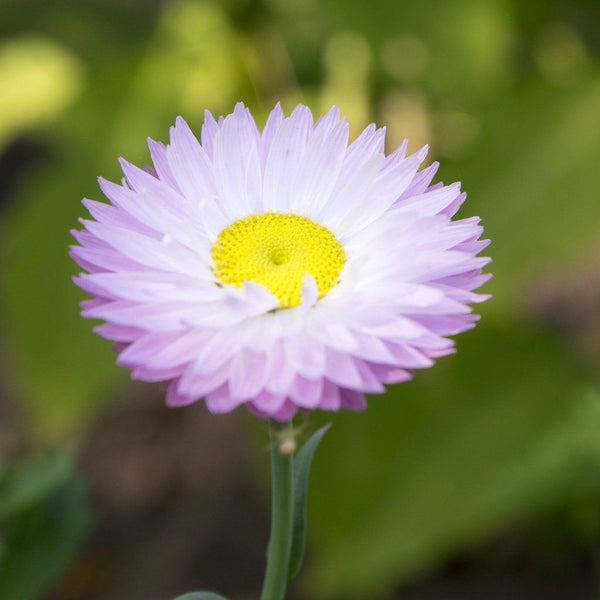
<point>282,518</point>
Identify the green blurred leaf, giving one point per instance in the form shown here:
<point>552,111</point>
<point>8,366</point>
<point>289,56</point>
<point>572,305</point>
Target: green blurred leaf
<point>42,539</point>
<point>302,464</point>
<point>467,67</point>
<point>30,480</point>
<point>40,79</point>
<point>62,371</point>
<point>538,204</point>
<point>439,463</point>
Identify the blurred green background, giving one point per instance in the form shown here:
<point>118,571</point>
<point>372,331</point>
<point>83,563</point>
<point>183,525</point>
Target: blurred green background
<point>479,479</point>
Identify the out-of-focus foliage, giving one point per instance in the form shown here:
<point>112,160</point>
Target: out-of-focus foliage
<point>508,96</point>
<point>43,518</point>
<point>39,80</point>
<point>201,596</point>
<point>445,461</point>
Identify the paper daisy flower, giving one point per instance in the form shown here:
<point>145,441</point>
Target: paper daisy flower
<point>285,269</point>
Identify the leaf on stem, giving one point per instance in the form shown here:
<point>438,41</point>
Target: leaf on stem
<point>302,464</point>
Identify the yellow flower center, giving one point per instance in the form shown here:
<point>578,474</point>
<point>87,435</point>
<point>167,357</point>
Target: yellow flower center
<point>277,250</point>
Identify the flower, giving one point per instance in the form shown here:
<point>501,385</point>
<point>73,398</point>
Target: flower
<point>284,269</point>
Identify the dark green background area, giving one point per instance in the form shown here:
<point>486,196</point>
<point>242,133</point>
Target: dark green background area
<point>507,430</point>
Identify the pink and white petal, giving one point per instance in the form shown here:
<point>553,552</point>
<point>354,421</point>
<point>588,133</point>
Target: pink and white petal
<point>371,348</point>
<point>221,401</point>
<point>102,260</point>
<point>408,357</point>
<point>347,201</point>
<point>247,374</point>
<point>368,144</point>
<point>152,286</point>
<point>439,352</point>
<point>390,374</point>
<point>174,399</point>
<point>145,347</point>
<point>320,166</point>
<point>141,182</point>
<point>285,412</point>
<point>463,296</point>
<point>93,304</point>
<point>160,216</point>
<point>399,154</point>
<point>268,403</point>
<point>196,386</point>
<point>158,154</point>
<point>431,202</point>
<point>215,218</point>
<point>400,329</point>
<point>342,369</point>
<point>306,355</point>
<point>331,397</point>
<point>287,148</point>
<point>149,251</point>
<point>387,186</point>
<point>84,282</point>
<point>306,393</point>
<point>166,316</point>
<point>190,165</point>
<point>428,266</point>
<point>144,373</point>
<point>453,207</point>
<point>279,372</point>
<point>237,164</point>
<point>309,293</point>
<point>116,216</point>
<point>217,351</point>
<point>334,334</point>
<point>119,333</point>
<point>468,281</point>
<point>250,300</point>
<point>274,121</point>
<point>352,400</point>
<point>447,324</point>
<point>472,247</point>
<point>369,382</point>
<point>183,350</point>
<point>420,182</point>
<point>208,133</point>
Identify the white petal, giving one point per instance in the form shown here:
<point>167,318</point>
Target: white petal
<point>319,167</point>
<point>190,164</point>
<point>274,121</point>
<point>248,373</point>
<point>158,153</point>
<point>209,131</point>
<point>306,355</point>
<point>237,164</point>
<point>287,149</point>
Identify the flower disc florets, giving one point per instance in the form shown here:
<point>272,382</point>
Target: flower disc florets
<point>277,250</point>
<point>282,269</point>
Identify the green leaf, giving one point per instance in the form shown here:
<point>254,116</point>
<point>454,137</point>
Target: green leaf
<point>302,464</point>
<point>31,479</point>
<point>201,596</point>
<point>42,539</point>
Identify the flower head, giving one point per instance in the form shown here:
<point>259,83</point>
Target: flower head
<point>282,269</point>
